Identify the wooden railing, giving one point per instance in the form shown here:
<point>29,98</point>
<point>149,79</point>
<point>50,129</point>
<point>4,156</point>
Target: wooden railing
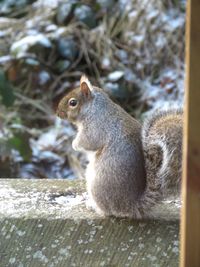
<point>45,223</point>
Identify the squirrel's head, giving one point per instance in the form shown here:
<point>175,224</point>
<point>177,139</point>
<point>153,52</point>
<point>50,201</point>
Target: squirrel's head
<point>70,105</point>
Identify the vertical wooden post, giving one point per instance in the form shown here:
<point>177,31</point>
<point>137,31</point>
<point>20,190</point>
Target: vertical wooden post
<point>190,219</point>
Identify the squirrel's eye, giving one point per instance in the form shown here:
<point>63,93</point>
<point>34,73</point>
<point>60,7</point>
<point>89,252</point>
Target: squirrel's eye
<point>72,102</point>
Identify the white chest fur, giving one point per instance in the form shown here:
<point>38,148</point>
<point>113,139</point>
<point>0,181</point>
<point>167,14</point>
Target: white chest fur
<point>90,178</point>
<point>90,171</point>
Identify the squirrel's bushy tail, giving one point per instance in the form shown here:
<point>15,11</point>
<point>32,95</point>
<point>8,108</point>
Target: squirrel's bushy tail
<point>149,198</point>
<point>162,146</point>
<point>155,171</point>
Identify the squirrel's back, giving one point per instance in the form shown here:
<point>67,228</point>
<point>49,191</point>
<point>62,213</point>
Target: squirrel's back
<point>162,143</point>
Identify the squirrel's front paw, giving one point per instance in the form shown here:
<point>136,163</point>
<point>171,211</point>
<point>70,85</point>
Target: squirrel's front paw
<point>75,145</point>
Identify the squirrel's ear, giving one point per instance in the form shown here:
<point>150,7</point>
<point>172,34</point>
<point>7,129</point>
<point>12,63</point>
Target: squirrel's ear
<point>85,86</point>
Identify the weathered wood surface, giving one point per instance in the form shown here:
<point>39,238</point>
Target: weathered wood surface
<point>190,227</point>
<point>45,223</point>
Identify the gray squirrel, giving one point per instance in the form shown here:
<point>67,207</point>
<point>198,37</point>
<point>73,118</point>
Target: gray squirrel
<point>131,167</point>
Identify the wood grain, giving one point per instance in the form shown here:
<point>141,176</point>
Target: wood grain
<point>190,219</point>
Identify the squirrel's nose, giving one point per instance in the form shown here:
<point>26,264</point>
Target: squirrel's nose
<point>61,114</point>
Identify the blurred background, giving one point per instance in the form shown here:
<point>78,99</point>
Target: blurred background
<point>132,49</point>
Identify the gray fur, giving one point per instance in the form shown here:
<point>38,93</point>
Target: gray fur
<point>120,181</point>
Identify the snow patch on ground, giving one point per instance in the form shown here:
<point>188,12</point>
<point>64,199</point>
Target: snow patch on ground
<point>14,203</point>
